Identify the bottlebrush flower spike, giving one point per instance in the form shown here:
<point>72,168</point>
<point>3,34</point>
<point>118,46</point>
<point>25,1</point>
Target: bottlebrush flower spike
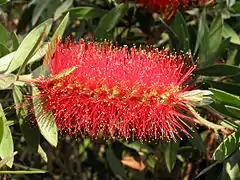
<point>169,7</point>
<point>116,92</point>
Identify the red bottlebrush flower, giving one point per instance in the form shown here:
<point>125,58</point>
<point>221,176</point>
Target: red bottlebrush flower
<point>116,92</point>
<point>169,7</point>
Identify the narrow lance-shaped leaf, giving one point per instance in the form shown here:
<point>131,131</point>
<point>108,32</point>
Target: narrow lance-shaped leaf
<point>227,147</point>
<point>3,34</point>
<point>170,154</point>
<point>62,8</point>
<point>30,132</point>
<point>6,145</point>
<point>15,42</point>
<point>45,120</point>
<point>110,20</point>
<point>115,165</point>
<point>226,98</point>
<point>57,35</point>
<point>28,45</point>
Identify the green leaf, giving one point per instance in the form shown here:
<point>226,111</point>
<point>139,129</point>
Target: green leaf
<point>231,168</point>
<point>180,29</point>
<point>215,33</point>
<point>210,41</point>
<point>228,31</point>
<point>236,7</point>
<point>45,120</point>
<point>227,147</point>
<point>115,165</point>
<point>4,1</point>
<point>62,8</point>
<point>202,33</point>
<point>226,98</point>
<point>42,154</point>
<point>3,34</point>
<point>86,12</point>
<point>15,42</point>
<point>7,80</point>
<point>220,107</point>
<point>57,35</point>
<point>60,30</point>
<point>6,60</point>
<point>5,160</point>
<point>24,172</point>
<point>138,146</point>
<point>110,20</point>
<point>1,129</point>
<point>219,70</point>
<point>6,146</point>
<point>30,133</point>
<point>3,50</point>
<point>65,72</point>
<point>38,10</point>
<point>29,45</point>
<point>197,142</point>
<point>228,87</point>
<point>170,154</point>
<point>233,110</point>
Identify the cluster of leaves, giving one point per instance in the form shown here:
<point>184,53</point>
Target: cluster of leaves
<point>209,33</point>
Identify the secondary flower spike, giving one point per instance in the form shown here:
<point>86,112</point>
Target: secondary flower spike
<point>116,92</point>
<point>169,7</point>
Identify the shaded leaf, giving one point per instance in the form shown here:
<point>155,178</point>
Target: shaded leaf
<point>15,42</point>
<point>62,8</point>
<point>180,29</point>
<point>3,50</point>
<point>110,20</point>
<point>170,154</point>
<point>45,120</point>
<point>86,12</point>
<point>38,10</point>
<point>197,142</point>
<point>219,70</point>
<point>115,165</point>
<point>235,111</point>
<point>139,147</point>
<point>215,33</point>
<point>232,88</point>
<point>3,34</point>
<point>30,132</point>
<point>4,1</point>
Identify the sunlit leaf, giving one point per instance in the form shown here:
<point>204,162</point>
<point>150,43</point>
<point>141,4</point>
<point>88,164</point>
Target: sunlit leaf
<point>6,145</point>
<point>29,45</point>
<point>227,147</point>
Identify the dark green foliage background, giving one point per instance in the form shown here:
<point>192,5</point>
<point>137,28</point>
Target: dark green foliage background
<point>210,35</point>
